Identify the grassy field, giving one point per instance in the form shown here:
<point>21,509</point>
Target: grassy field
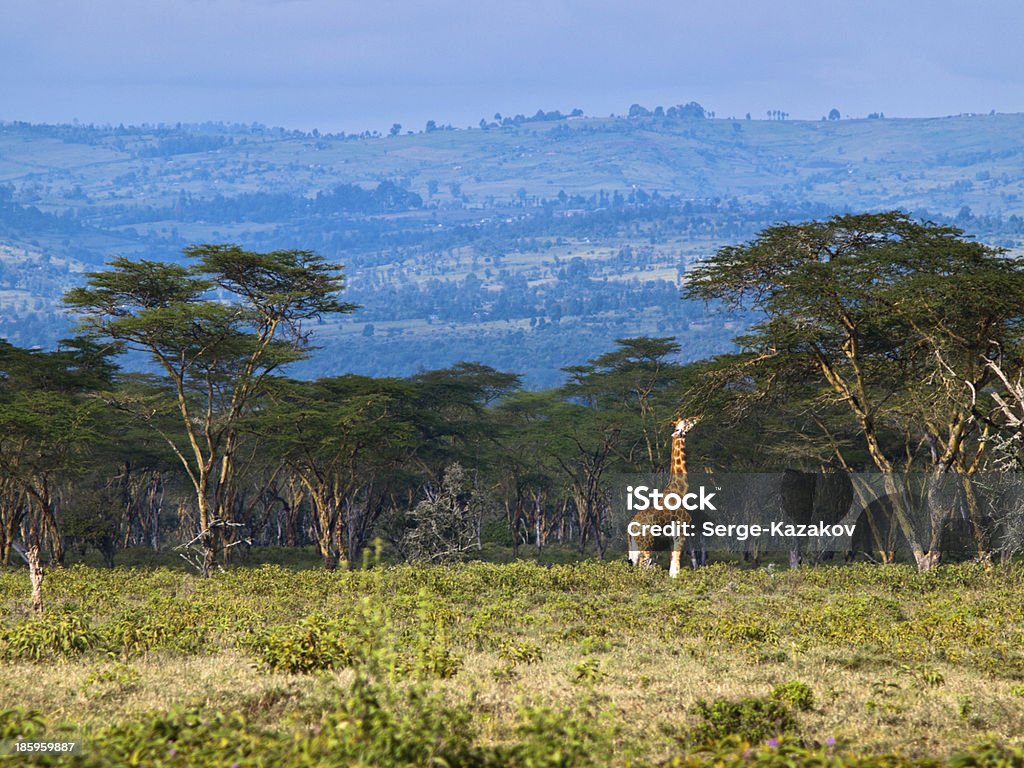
<point>519,664</point>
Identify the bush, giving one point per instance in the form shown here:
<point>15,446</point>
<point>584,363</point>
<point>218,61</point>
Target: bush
<point>381,725</point>
<point>50,636</point>
<point>752,719</point>
<point>797,696</point>
<point>111,679</point>
<point>171,627</point>
<point>446,525</point>
<point>373,725</point>
<point>555,738</point>
<point>315,644</point>
<point>19,723</point>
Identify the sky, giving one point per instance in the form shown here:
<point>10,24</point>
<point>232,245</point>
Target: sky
<point>337,65</point>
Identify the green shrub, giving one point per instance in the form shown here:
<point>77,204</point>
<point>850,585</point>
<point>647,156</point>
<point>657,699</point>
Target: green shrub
<point>381,725</point>
<point>159,628</point>
<point>786,753</point>
<point>372,725</point>
<point>437,661</point>
<point>932,677</point>
<point>553,738</point>
<point>111,679</point>
<point>796,695</point>
<point>20,723</point>
<point>50,636</point>
<point>587,671</point>
<point>753,719</point>
<point>520,653</point>
<point>314,644</point>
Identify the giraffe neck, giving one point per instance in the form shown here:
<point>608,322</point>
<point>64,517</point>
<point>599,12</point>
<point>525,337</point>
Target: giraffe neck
<point>679,457</point>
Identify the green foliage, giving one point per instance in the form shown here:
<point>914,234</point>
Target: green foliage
<point>520,652</point>
<point>796,695</point>
<point>932,677</point>
<point>553,738</point>
<point>111,679</point>
<point>587,671</point>
<point>164,626</point>
<point>314,644</point>
<point>369,639</point>
<point>21,723</point>
<point>378,725</point>
<point>965,706</point>
<point>48,637</point>
<point>789,752</point>
<point>752,719</point>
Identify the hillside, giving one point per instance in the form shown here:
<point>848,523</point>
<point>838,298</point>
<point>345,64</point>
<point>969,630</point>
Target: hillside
<point>528,247</point>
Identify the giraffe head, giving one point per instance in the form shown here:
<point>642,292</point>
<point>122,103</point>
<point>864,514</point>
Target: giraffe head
<point>685,425</point>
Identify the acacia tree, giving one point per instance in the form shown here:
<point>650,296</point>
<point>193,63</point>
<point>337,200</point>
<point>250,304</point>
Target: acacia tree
<point>46,426</point>
<point>637,383</point>
<point>894,321</point>
<point>215,329</point>
<point>47,422</point>
<point>344,440</point>
<point>528,476</point>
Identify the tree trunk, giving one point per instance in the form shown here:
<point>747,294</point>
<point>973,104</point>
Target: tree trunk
<point>35,575</point>
<point>926,560</point>
<point>294,497</point>
<point>978,528</point>
<point>513,518</point>
<point>209,553</point>
<point>794,557</point>
<point>50,530</point>
<point>207,538</point>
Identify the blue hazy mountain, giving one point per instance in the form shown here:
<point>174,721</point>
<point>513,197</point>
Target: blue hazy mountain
<point>526,242</point>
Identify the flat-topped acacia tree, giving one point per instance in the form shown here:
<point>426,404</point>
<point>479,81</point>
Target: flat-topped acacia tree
<point>895,323</point>
<point>215,329</point>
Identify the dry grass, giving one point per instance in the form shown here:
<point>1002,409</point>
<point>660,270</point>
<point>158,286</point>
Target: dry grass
<point>646,687</point>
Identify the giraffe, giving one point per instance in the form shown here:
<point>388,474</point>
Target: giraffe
<point>641,548</point>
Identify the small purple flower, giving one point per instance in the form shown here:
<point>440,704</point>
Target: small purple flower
<point>831,741</point>
<point>773,743</point>
<point>172,752</point>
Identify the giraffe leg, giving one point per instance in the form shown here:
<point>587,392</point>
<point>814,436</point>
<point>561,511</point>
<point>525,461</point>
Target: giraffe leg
<point>673,568</point>
<point>634,552</point>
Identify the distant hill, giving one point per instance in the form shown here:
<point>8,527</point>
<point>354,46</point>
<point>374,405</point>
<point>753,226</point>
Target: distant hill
<point>528,246</point>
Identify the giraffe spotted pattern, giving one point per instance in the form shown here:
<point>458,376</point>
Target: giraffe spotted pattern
<point>641,548</point>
